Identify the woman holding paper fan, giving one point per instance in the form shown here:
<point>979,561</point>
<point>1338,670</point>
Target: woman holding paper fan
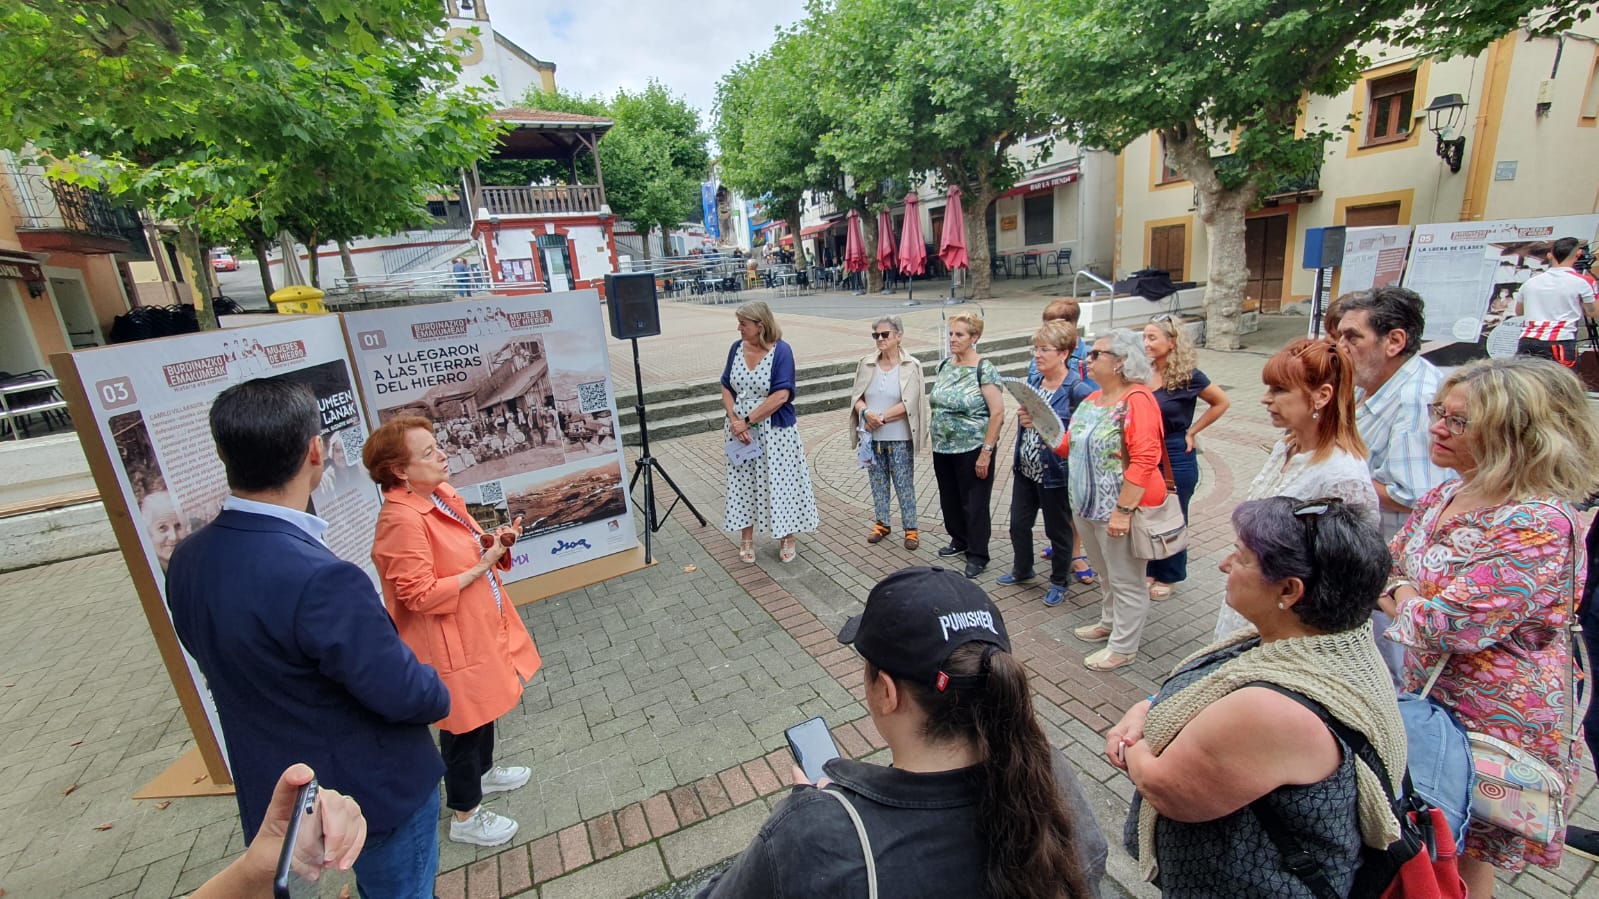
<point>1039,480</point>
<point>772,489</point>
<point>890,406</point>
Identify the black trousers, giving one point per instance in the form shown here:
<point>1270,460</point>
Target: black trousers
<point>467,757</point>
<point>963,497</point>
<point>1027,498</point>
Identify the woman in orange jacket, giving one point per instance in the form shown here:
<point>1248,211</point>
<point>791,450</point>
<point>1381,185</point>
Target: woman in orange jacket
<point>442,589</point>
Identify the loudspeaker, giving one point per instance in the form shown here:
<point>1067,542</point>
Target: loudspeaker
<point>635,312</point>
<point>1324,247</point>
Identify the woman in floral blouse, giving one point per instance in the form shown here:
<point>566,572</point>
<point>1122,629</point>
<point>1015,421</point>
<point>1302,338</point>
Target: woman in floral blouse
<point>1484,570</point>
<point>967,414</point>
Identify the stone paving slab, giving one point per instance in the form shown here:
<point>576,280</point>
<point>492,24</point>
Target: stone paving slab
<point>655,728</point>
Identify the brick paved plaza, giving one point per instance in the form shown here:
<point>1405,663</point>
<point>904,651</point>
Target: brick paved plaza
<point>655,729</point>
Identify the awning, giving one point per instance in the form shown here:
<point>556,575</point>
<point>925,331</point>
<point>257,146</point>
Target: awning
<point>816,229</point>
<point>1046,179</point>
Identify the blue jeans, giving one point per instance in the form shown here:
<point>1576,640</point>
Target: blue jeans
<point>1185,469</point>
<point>403,864</point>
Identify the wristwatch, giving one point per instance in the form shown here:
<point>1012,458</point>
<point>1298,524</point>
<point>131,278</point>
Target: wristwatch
<point>1393,587</point>
<point>748,423</point>
<point>988,447</point>
<point>1126,510</point>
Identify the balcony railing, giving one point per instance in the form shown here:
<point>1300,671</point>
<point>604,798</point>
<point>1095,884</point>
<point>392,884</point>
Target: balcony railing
<point>45,206</point>
<point>557,200</point>
<point>1305,155</point>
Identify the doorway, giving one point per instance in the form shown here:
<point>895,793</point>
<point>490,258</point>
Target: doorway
<point>77,313</point>
<point>557,261</point>
<point>1168,245</point>
<point>1266,254</point>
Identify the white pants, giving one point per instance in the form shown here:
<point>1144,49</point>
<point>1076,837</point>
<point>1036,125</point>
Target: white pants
<point>1123,592</point>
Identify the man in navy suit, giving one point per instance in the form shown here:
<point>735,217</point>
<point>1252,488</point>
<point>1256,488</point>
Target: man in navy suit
<point>297,649</point>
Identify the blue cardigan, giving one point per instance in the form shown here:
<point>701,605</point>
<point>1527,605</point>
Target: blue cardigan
<point>782,379</point>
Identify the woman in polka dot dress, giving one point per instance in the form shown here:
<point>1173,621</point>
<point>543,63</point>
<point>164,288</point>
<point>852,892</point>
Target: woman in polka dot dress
<point>772,490</point>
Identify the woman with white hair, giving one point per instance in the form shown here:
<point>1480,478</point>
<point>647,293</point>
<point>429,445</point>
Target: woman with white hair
<point>1114,447</point>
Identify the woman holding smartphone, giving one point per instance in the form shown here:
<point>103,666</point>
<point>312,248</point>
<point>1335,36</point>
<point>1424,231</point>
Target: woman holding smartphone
<point>441,587</point>
<point>976,802</point>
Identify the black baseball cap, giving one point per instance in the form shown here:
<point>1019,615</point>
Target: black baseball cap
<point>916,617</point>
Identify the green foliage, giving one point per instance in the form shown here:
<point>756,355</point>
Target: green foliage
<point>332,120</point>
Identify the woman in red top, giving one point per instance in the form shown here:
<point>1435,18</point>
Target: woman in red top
<point>1114,446</point>
<point>442,588</point>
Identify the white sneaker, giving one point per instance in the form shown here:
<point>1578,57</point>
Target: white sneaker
<point>500,778</point>
<point>484,828</point>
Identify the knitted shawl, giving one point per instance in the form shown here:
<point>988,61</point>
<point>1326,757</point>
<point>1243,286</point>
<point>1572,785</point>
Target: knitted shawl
<point>1341,671</point>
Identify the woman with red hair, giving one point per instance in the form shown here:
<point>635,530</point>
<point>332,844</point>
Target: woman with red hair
<point>1310,394</point>
<point>442,588</point>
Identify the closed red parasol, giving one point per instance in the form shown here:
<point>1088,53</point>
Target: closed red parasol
<point>885,241</point>
<point>952,243</point>
<point>854,245</point>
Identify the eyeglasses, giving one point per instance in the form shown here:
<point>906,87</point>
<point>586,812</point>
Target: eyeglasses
<point>1165,317</point>
<point>882,335</point>
<point>1456,424</point>
<point>1045,349</point>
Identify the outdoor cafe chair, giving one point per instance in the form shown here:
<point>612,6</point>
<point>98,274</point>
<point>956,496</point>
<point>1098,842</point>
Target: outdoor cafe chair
<point>998,266</point>
<point>1062,257</point>
<point>1030,260</point>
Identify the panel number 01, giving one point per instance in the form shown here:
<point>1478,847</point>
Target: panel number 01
<point>115,393</point>
<point>370,340</point>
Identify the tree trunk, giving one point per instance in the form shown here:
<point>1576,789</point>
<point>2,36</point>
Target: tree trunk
<point>646,236</point>
<point>794,228</point>
<point>350,277</point>
<point>975,214</point>
<point>874,275</point>
<point>1223,212</point>
<point>201,286</point>
<point>259,244</point>
<point>313,265</point>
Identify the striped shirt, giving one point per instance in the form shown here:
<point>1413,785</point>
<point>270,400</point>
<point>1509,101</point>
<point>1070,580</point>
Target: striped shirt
<point>1393,423</point>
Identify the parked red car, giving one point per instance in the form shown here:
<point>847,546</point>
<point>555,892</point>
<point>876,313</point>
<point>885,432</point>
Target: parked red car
<point>223,261</point>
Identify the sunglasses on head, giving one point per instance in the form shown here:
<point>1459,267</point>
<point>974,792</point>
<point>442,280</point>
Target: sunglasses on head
<point>1309,513</point>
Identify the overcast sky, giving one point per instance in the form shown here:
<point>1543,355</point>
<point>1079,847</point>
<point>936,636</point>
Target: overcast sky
<point>601,45</point>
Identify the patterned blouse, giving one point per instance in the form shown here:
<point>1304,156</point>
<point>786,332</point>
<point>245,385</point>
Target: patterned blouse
<point>1496,592</point>
<point>960,414</point>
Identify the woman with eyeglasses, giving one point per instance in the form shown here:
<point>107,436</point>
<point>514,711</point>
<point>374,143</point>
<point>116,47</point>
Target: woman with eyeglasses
<point>1039,482</point>
<point>1310,394</point>
<point>442,587</point>
<point>889,404</point>
<point>1179,385</point>
<point>1485,570</point>
<point>967,414</point>
<point>1114,447</point>
<point>1231,758</point>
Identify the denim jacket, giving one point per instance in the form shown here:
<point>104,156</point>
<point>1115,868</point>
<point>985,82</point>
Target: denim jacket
<point>1072,391</point>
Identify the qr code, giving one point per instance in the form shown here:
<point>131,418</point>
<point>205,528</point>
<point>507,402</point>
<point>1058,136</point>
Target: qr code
<point>352,440</point>
<point>492,493</point>
<point>592,397</point>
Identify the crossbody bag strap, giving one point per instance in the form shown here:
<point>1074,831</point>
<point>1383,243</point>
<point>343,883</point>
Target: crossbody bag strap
<point>1127,455</point>
<point>866,844</point>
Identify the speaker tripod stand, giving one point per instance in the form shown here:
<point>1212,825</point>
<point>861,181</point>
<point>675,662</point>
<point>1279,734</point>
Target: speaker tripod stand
<point>647,466</point>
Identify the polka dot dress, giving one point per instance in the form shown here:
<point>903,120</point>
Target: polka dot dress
<point>773,490</point>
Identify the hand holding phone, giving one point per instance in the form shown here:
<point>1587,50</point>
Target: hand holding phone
<point>812,746</point>
<point>301,860</point>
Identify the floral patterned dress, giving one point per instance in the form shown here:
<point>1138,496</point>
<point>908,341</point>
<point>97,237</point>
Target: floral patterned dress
<point>1494,588</point>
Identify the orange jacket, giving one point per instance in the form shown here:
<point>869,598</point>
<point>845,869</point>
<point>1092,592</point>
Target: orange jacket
<point>482,655</point>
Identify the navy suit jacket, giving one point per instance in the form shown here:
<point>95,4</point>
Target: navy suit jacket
<point>305,666</point>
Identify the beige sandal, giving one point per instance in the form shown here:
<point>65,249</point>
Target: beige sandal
<point>1159,592</point>
<point>1093,633</point>
<point>1105,660</point>
<point>746,552</point>
<point>787,550</point>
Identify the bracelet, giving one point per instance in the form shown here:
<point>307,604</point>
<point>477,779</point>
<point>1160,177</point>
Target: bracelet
<point>1126,510</point>
<point>1394,585</point>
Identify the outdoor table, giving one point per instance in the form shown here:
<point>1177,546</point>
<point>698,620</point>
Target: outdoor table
<point>15,417</point>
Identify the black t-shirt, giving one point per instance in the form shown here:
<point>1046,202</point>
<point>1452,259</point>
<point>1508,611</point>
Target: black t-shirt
<point>1177,406</point>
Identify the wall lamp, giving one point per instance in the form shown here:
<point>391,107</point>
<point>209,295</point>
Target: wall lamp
<point>1443,116</point>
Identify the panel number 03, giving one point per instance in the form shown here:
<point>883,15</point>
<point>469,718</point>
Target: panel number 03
<point>114,393</point>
